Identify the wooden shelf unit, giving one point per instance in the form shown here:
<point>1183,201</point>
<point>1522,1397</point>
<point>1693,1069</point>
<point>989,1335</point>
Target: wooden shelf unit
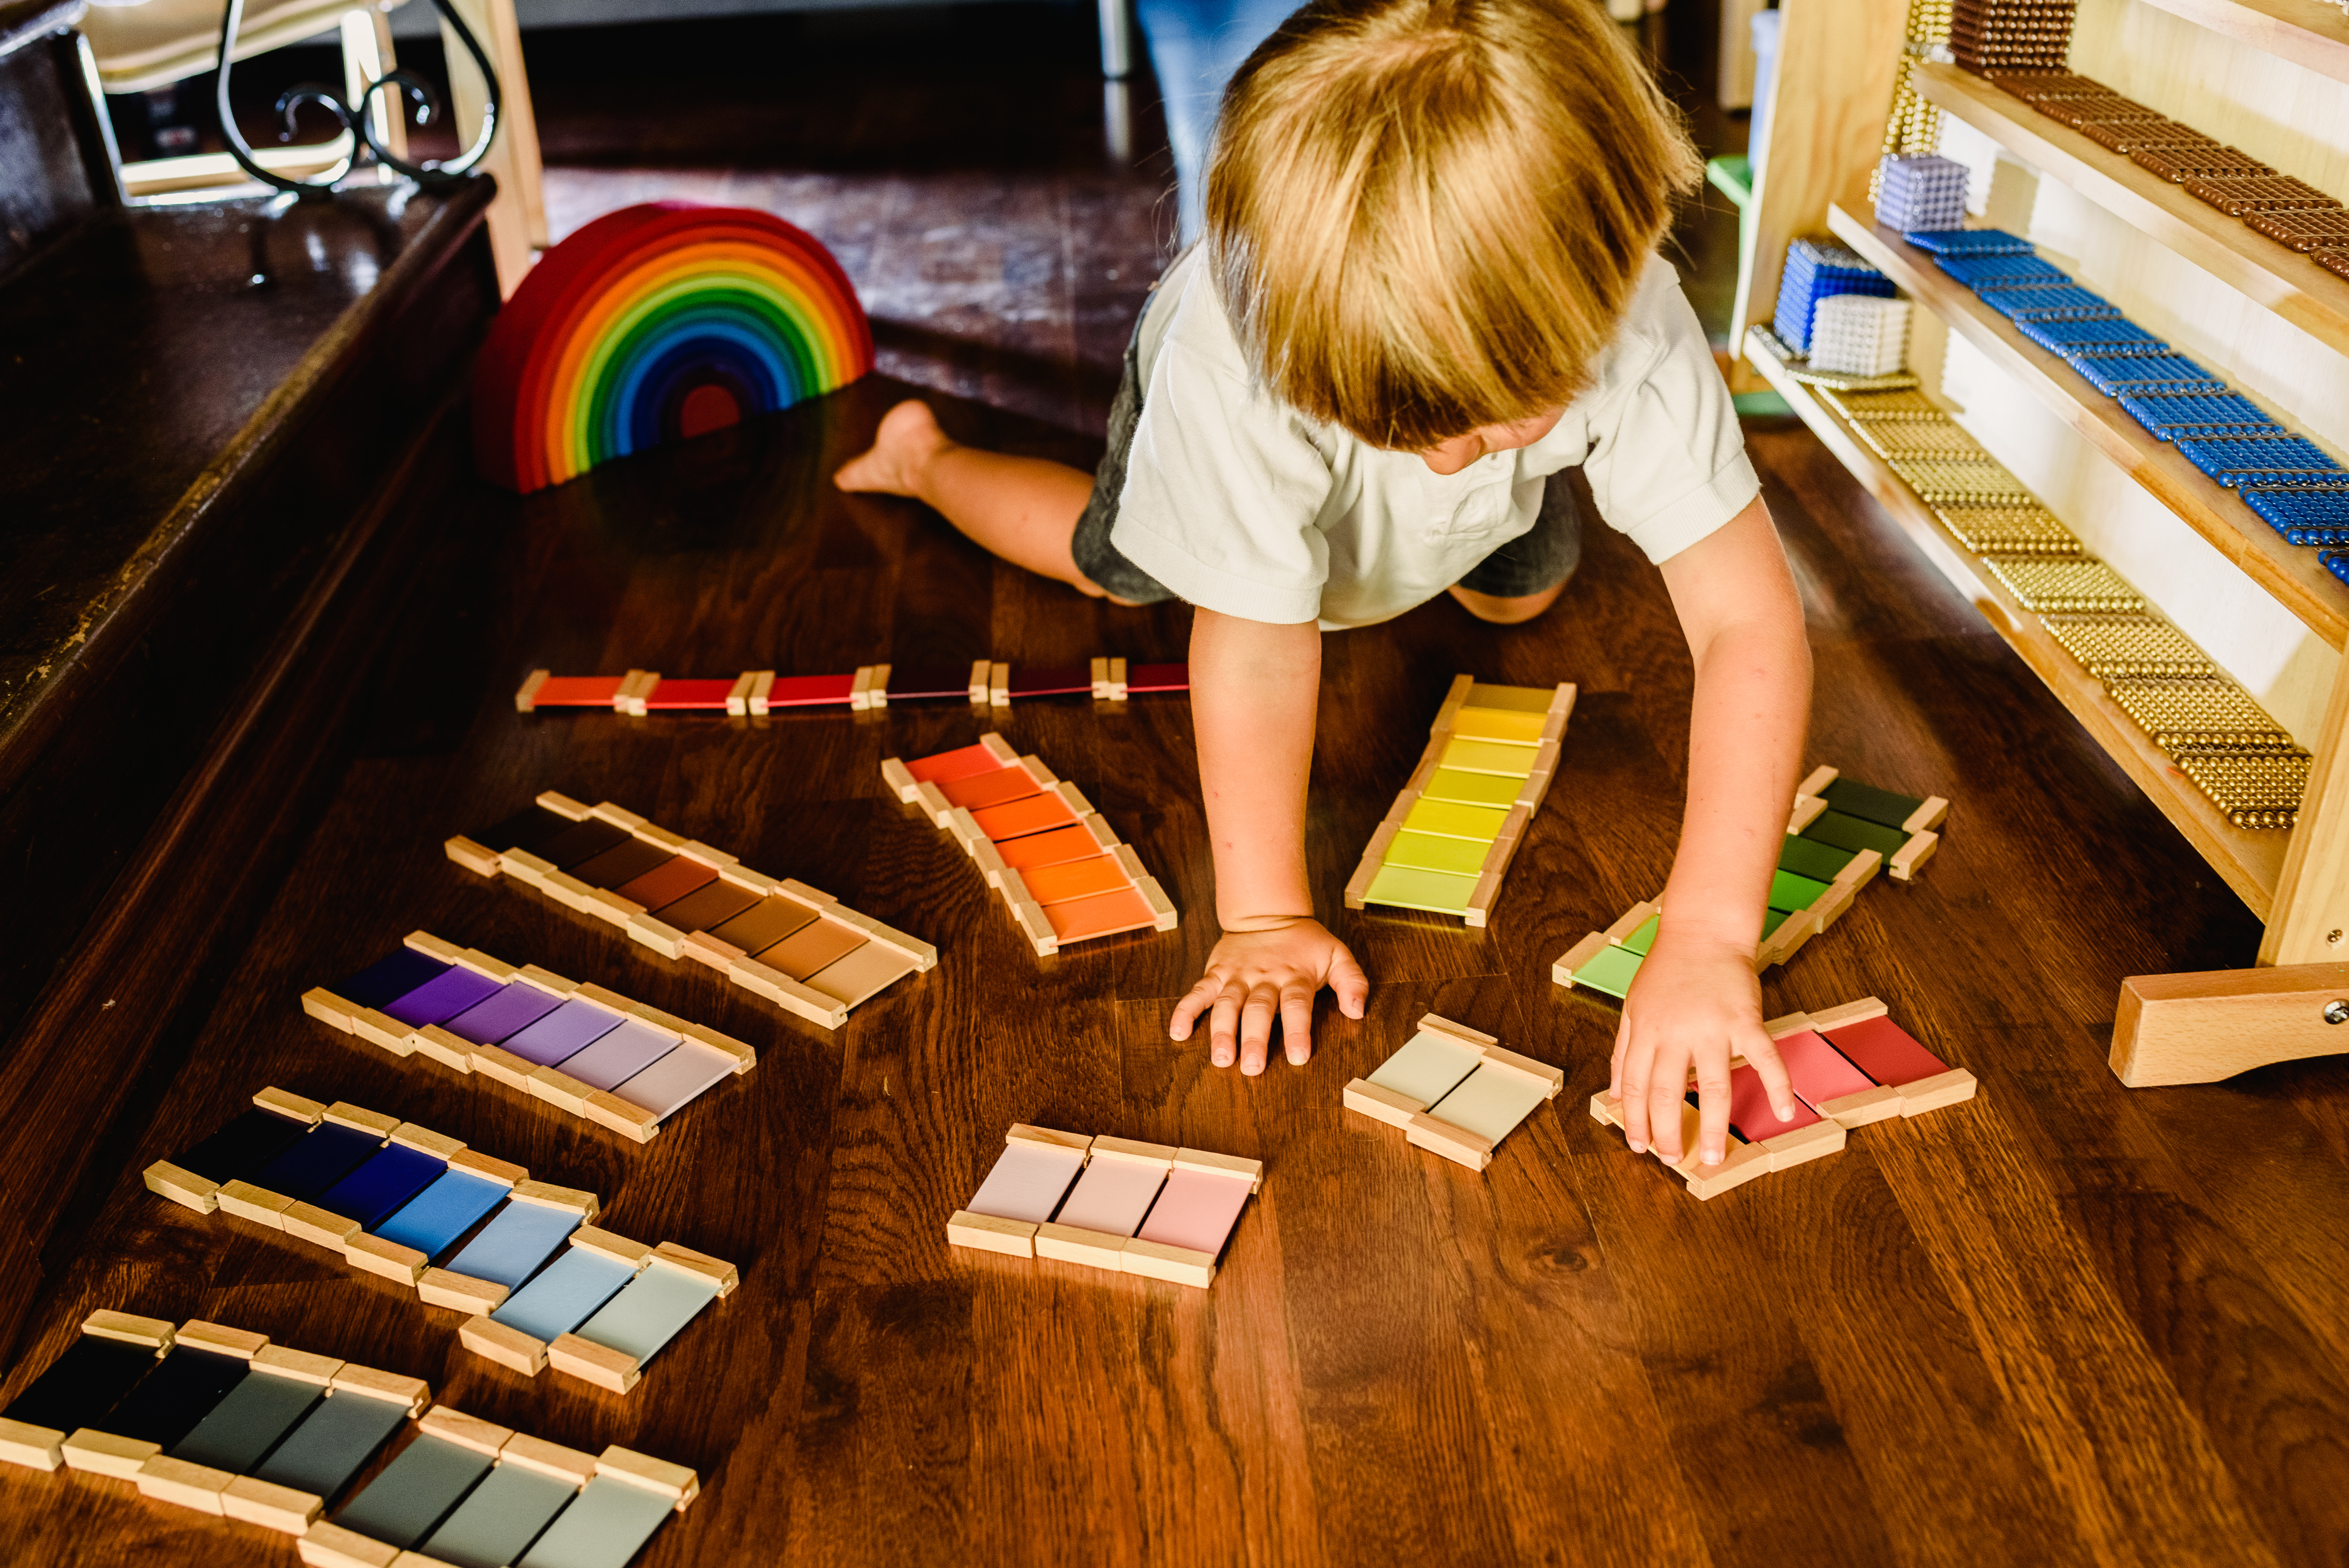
<point>1828,100</point>
<point>2283,280</point>
<point>2309,33</point>
<point>2290,572</point>
<point>1838,61</point>
<point>2250,863</point>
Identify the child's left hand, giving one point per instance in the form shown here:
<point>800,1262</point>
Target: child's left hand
<point>1695,1000</point>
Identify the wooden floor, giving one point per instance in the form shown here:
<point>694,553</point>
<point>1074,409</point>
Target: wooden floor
<point>2066,1323</point>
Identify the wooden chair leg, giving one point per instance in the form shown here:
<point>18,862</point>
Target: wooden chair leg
<point>2202,1028</point>
<point>367,55</point>
<point>1837,62</point>
<point>517,219</point>
<point>1117,39</point>
<point>365,36</point>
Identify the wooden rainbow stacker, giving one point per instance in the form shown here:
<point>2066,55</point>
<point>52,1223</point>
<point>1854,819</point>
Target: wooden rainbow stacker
<point>1491,754</point>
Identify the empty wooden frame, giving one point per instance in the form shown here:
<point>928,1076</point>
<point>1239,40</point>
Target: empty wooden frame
<point>987,682</point>
<point>790,943</point>
<point>1839,835</point>
<point>220,1420</point>
<point>1455,1091</point>
<point>1849,1066</point>
<point>594,1053</point>
<point>1108,1202</point>
<point>1040,842</point>
<point>1491,754</point>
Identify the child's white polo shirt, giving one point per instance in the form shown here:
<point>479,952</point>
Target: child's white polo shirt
<point>1240,503</point>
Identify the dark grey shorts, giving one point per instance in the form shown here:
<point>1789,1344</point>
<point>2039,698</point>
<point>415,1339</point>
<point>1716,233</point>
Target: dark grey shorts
<point>1533,562</point>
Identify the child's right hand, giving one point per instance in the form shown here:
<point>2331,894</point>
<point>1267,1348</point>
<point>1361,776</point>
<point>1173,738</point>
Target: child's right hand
<point>1694,1004</point>
<point>1274,970</point>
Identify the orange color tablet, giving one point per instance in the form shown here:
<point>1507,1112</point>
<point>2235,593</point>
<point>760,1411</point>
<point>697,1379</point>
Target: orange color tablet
<point>961,763</point>
<point>1020,818</point>
<point>1075,879</point>
<point>1049,848</point>
<point>1101,916</point>
<point>990,788</point>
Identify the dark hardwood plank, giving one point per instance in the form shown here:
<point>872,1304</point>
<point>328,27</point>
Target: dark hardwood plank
<point>2120,1444</point>
<point>1923,1417</point>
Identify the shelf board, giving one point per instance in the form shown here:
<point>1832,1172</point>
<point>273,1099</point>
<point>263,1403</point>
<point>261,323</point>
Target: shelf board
<point>2251,863</point>
<point>2308,33</point>
<point>2290,573</point>
<point>2284,282</point>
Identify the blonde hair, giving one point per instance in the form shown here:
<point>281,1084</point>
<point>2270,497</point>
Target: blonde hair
<point>1427,215</point>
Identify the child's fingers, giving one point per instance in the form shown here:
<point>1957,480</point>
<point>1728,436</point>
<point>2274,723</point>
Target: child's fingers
<point>1352,985</point>
<point>1256,1027</point>
<point>1712,1104</point>
<point>1667,1093</point>
<point>1224,1024</point>
<point>1761,1052</point>
<point>1296,1021</point>
<point>1187,1010</point>
<point>1633,1093</point>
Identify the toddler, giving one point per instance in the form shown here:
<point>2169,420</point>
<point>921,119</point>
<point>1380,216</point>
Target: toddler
<point>1428,285</point>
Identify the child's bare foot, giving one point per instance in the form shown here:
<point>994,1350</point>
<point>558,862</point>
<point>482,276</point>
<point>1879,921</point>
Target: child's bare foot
<point>909,439</point>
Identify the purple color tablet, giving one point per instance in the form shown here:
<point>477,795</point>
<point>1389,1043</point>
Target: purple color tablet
<point>439,1000</point>
<point>563,1034</point>
<point>620,1055</point>
<point>516,1006</point>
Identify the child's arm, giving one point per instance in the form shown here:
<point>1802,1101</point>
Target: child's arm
<point>1253,690</point>
<point>1696,997</point>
